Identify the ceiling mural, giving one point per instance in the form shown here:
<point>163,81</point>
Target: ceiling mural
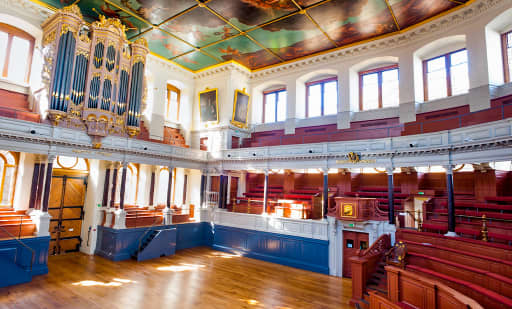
<point>197,34</point>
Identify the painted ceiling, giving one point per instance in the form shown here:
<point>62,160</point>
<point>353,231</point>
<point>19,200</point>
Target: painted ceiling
<point>197,34</point>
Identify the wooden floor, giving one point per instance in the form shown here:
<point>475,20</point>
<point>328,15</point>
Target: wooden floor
<point>193,278</point>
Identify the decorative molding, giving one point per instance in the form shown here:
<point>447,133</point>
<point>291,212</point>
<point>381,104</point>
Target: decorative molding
<point>29,8</point>
<point>225,67</point>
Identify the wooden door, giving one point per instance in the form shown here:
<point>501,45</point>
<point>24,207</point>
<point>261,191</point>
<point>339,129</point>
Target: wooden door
<point>233,189</point>
<point>352,242</point>
<point>67,195</point>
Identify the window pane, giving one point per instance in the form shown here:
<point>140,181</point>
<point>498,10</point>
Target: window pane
<point>459,72</point>
<point>370,91</point>
<point>270,107</point>
<point>281,106</point>
<point>315,100</point>
<point>509,39</point>
<point>436,78</point>
<point>390,88</point>
<point>18,61</point>
<point>3,49</point>
<point>331,98</point>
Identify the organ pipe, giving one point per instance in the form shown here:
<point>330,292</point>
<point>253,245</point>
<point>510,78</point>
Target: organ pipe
<point>96,82</point>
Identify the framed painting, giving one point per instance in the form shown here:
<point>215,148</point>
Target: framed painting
<point>209,106</point>
<point>240,109</point>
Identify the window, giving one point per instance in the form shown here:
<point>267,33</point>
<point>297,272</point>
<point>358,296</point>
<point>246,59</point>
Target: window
<point>322,97</point>
<point>163,182</point>
<point>506,39</point>
<point>274,105</point>
<point>173,104</point>
<point>378,88</point>
<point>16,47</point>
<point>8,169</point>
<point>131,187</point>
<point>446,75</point>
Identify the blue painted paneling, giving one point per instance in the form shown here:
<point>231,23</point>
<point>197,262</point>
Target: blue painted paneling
<point>119,245</point>
<point>162,243</point>
<point>15,259</point>
<point>304,253</point>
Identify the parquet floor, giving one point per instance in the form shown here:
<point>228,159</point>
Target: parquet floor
<point>193,278</point>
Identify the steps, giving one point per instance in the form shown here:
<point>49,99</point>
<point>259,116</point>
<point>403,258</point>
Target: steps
<point>378,280</point>
<point>15,223</point>
<point>156,243</point>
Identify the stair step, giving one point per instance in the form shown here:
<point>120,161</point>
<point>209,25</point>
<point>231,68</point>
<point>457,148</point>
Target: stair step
<point>377,288</point>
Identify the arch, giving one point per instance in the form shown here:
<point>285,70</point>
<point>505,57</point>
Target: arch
<point>493,43</point>
<point>163,179</point>
<point>35,31</point>
<point>8,172</point>
<point>71,164</point>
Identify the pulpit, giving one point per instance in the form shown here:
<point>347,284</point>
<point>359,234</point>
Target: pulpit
<point>413,207</point>
<point>355,209</point>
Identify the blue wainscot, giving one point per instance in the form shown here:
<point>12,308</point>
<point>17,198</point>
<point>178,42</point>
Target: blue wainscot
<point>299,252</point>
<point>118,245</point>
<point>16,257</point>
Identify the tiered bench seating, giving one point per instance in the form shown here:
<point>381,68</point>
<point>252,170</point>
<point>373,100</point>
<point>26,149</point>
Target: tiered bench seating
<point>480,270</point>
<point>495,209</point>
<point>15,223</point>
<point>142,216</point>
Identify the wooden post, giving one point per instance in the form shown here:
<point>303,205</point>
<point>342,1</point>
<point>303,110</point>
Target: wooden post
<point>325,196</point>
<point>123,185</point>
<point>265,193</point>
<point>114,186</point>
<point>33,189</point>
<point>451,201</point>
<point>106,185</point>
<point>40,183</point>
<point>391,201</point>
<point>48,183</point>
<point>169,188</point>
<point>152,187</point>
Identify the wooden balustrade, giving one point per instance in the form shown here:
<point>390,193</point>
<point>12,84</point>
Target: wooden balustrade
<point>410,289</point>
<point>365,264</point>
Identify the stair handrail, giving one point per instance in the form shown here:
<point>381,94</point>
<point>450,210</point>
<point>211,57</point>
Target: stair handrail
<point>149,228</point>
<point>23,244</point>
<point>381,245</point>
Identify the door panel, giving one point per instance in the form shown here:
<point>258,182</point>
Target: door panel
<point>66,208</point>
<point>352,242</point>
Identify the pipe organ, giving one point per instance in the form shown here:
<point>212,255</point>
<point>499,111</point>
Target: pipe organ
<point>94,76</point>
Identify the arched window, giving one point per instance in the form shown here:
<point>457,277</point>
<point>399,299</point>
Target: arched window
<point>16,48</point>
<point>8,169</point>
<point>163,181</point>
<point>322,97</point>
<point>446,75</point>
<point>506,39</point>
<point>71,163</point>
<point>379,88</point>
<point>131,187</point>
<point>172,112</point>
<point>274,105</point>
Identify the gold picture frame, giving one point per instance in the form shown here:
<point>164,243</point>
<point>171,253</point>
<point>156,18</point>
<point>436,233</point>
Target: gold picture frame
<point>206,112</point>
<point>241,104</point>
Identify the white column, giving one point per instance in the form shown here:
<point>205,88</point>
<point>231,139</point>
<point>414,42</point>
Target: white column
<point>228,190</point>
<point>291,103</point>
<point>407,102</point>
<point>479,96</point>
<point>344,112</point>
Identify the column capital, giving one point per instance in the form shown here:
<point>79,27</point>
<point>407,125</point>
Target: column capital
<point>124,164</point>
<point>325,170</point>
<point>448,168</point>
<point>389,170</point>
<point>266,171</point>
<point>51,157</point>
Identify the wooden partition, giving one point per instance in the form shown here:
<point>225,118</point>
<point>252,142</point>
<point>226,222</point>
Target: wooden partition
<point>411,289</point>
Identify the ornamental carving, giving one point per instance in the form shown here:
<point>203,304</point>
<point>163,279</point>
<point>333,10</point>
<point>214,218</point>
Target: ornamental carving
<point>94,77</point>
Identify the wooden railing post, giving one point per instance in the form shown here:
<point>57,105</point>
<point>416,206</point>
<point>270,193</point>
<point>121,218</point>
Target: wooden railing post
<point>359,273</point>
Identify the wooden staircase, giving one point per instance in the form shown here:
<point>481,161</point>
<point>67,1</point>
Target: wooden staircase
<point>15,105</point>
<point>15,223</point>
<point>173,136</point>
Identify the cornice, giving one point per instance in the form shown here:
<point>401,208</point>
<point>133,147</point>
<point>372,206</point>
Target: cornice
<point>28,8</point>
<point>222,68</point>
<point>440,24</point>
<point>153,60</point>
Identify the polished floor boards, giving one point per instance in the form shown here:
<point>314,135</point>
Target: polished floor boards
<point>193,278</point>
